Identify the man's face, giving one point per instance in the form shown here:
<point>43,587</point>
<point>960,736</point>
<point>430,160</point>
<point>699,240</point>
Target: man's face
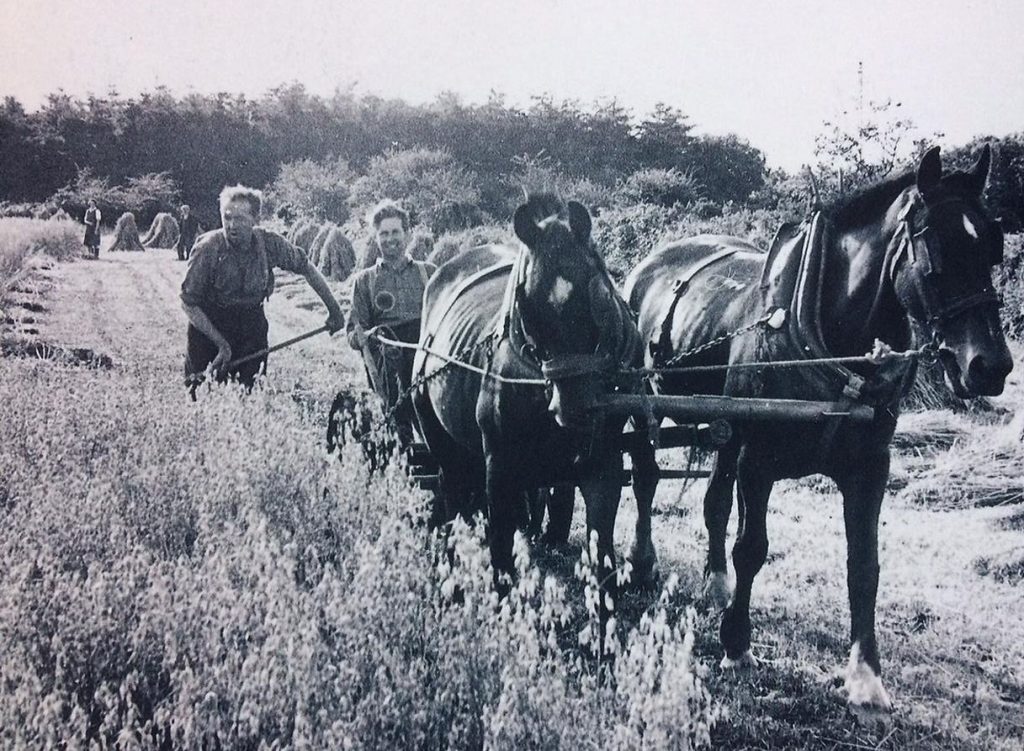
<point>238,222</point>
<point>184,210</point>
<point>391,237</point>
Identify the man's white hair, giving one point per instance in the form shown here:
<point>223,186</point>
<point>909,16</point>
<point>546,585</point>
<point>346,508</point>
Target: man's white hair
<point>252,196</point>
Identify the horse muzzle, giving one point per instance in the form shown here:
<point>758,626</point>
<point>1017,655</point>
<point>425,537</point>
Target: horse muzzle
<point>572,404</point>
<point>575,381</point>
<point>971,372</point>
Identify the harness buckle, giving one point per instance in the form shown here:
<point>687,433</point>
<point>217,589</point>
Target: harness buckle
<point>853,387</point>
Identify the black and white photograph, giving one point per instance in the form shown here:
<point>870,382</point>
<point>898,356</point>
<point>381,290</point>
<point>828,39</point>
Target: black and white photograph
<point>533,374</point>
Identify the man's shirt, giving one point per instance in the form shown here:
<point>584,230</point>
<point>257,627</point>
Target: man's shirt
<point>220,276</point>
<point>387,294</point>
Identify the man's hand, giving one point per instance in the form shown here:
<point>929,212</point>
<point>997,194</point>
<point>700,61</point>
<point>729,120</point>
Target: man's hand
<point>222,359</point>
<point>335,321</point>
<point>357,338</point>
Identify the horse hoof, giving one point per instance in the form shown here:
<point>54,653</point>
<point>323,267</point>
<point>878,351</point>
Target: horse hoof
<point>866,696</point>
<point>744,662</point>
<point>648,580</point>
<point>717,591</point>
<point>644,574</point>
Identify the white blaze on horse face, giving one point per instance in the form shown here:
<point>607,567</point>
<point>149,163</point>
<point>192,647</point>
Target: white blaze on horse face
<point>560,292</point>
<point>863,684</point>
<point>969,226</point>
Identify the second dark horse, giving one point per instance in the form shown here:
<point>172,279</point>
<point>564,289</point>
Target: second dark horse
<point>545,311</point>
<point>918,247</point>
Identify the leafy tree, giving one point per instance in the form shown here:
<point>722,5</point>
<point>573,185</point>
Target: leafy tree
<point>314,189</point>
<point>664,137</point>
<point>727,168</point>
<point>866,146</point>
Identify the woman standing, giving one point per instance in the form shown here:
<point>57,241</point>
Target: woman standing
<point>92,228</point>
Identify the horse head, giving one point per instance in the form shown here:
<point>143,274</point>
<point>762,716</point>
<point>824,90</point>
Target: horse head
<point>573,320</point>
<point>945,246</point>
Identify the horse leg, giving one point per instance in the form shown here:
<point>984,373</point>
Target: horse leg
<point>748,555</point>
<point>458,471</point>
<point>601,493</point>
<point>536,502</point>
<point>644,557</point>
<point>560,503</point>
<point>717,508</point>
<point>504,498</point>
<point>862,500</point>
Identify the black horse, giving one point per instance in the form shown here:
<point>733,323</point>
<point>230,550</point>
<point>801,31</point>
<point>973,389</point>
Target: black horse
<point>918,247</point>
<point>547,333</point>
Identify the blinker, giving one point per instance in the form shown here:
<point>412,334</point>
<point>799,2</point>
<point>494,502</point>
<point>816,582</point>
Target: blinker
<point>995,238</point>
<point>926,252</point>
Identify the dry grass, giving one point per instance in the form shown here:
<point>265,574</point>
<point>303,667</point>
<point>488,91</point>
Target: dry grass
<point>203,574</point>
<point>126,233</point>
<point>21,239</point>
<point>163,232</point>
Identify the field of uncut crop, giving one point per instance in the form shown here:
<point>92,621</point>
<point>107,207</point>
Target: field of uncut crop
<point>186,575</point>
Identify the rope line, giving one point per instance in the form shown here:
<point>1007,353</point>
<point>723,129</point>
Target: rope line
<point>461,363</point>
<point>879,357</point>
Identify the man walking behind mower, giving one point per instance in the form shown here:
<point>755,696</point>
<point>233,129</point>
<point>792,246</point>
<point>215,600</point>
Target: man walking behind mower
<point>230,274</point>
<point>387,299</point>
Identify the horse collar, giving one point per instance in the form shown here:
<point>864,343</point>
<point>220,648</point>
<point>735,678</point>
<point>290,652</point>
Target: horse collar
<point>802,324</point>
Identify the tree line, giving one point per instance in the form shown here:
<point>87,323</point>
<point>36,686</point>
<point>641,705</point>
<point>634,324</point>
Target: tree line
<point>152,151</point>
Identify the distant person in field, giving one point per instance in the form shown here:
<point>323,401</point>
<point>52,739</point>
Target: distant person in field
<point>190,230</point>
<point>93,216</point>
<point>386,299</point>
<point>230,274</point>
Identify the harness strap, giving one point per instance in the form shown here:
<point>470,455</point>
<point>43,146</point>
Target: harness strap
<point>664,345</point>
<point>573,366</point>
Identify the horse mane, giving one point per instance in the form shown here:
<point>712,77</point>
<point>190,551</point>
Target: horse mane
<point>854,210</point>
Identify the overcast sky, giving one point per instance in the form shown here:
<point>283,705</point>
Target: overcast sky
<point>769,71</point>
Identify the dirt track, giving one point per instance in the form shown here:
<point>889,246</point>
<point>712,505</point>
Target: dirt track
<point>126,305</point>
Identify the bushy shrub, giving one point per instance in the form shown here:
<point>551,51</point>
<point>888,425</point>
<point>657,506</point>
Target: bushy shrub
<point>625,235</point>
<point>319,190</point>
<point>20,210</point>
<point>662,187</point>
<point>145,195</point>
<point>532,175</point>
<point>170,584</point>
<point>451,244</point>
<point>1009,281</point>
<point>437,191</point>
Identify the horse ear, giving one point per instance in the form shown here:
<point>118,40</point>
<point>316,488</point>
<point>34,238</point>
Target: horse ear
<point>979,173</point>
<point>929,171</point>
<point>579,222</point>
<point>525,227</point>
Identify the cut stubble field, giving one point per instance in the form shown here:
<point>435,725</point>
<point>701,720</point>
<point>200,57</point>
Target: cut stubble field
<point>951,632</point>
